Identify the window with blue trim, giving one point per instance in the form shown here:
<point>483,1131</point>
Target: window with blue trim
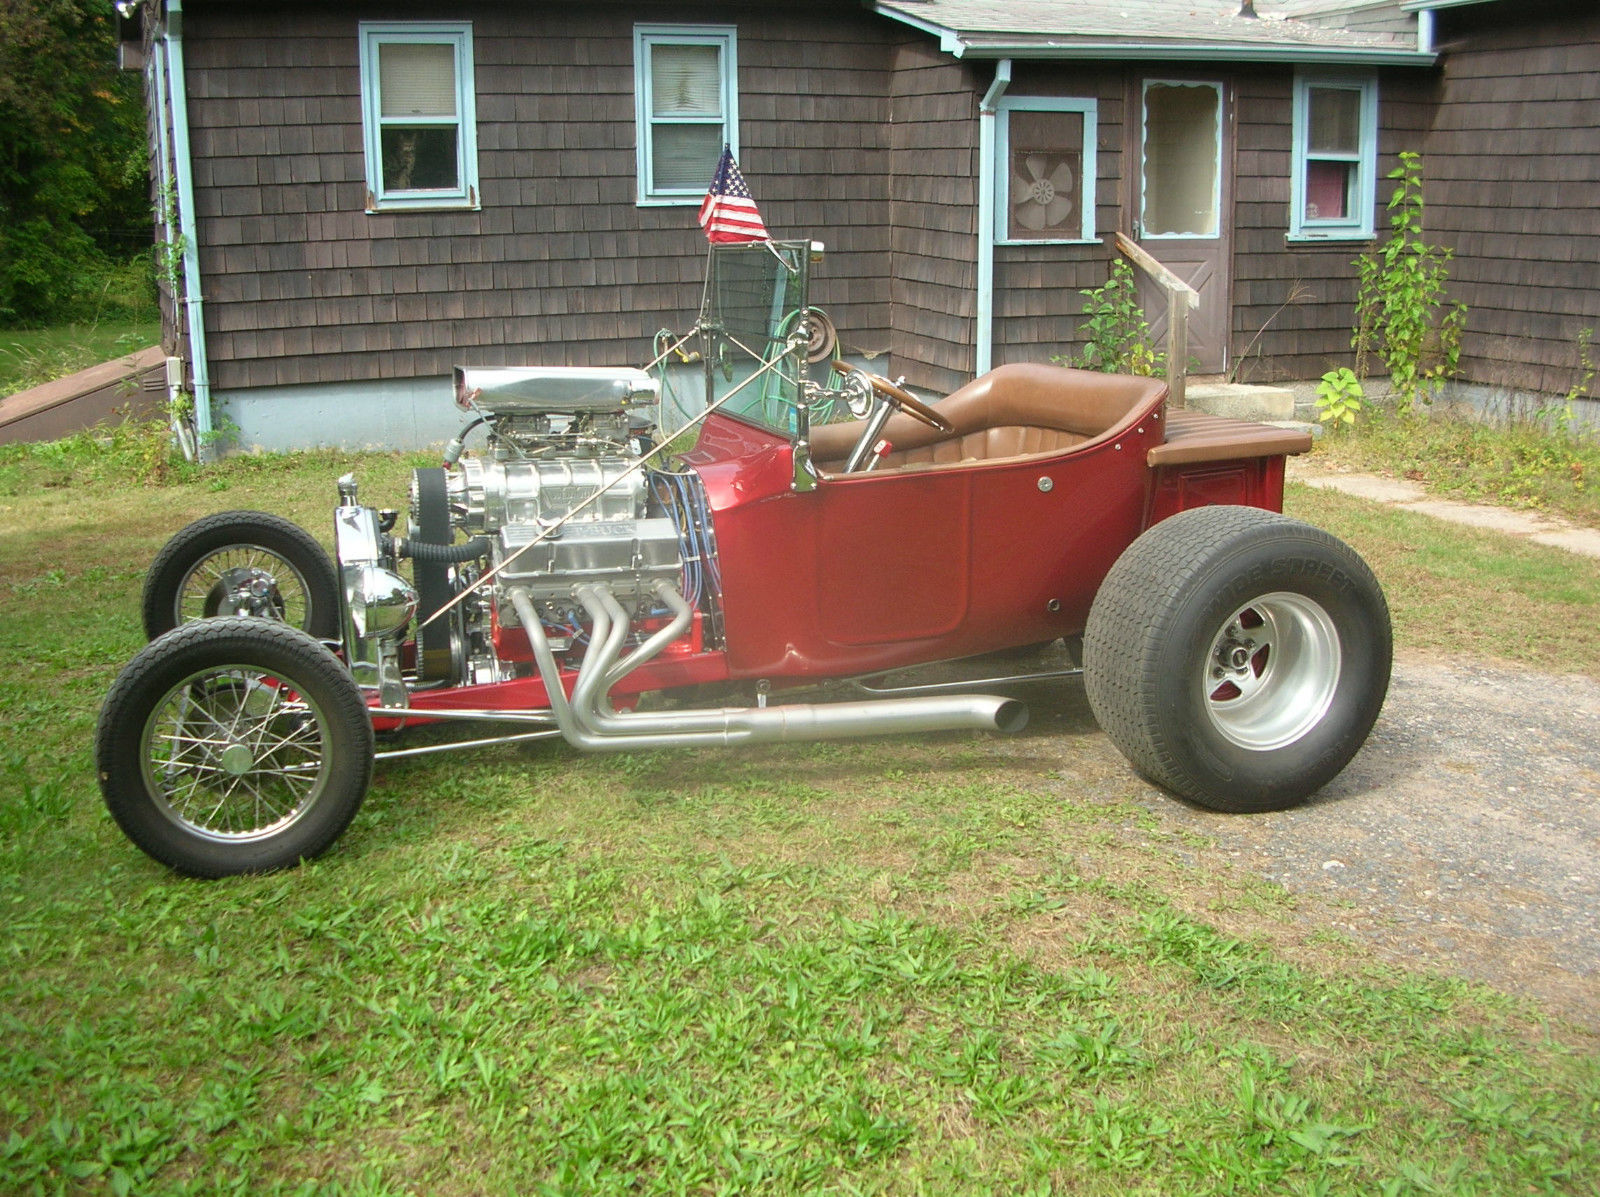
<point>418,111</point>
<point>687,107</point>
<point>1334,182</point>
<point>1045,169</point>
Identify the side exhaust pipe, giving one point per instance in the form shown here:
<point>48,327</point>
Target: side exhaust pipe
<point>588,722</point>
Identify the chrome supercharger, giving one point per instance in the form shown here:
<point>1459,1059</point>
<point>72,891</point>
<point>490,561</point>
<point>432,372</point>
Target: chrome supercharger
<point>554,501</point>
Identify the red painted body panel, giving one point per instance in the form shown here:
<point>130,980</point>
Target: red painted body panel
<point>1246,481</point>
<point>874,571</point>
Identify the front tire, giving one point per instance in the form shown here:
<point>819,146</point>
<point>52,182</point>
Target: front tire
<point>233,746</point>
<point>242,563</point>
<point>1237,657</point>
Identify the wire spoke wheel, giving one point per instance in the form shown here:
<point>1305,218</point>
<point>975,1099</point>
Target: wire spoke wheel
<point>234,745</point>
<point>249,563</point>
<point>1272,671</point>
<point>243,579</point>
<point>235,754</point>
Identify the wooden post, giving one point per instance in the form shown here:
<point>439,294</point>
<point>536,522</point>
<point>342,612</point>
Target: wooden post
<point>1181,297</point>
<point>1177,347</point>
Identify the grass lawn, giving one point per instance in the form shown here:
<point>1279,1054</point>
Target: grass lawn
<point>1533,461</point>
<point>948,964</point>
<point>29,357</point>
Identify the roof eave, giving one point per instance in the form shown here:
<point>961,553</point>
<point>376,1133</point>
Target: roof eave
<point>959,45</point>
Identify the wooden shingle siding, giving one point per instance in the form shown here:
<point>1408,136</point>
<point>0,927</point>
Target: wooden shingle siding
<point>934,168</point>
<point>559,266</point>
<point>1302,339</point>
<point>1512,163</point>
<point>1312,334</point>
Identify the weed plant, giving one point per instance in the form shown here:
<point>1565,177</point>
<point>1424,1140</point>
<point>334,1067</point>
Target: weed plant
<point>947,964</point>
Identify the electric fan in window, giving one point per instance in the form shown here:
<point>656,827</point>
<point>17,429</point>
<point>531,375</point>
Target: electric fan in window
<point>1042,191</point>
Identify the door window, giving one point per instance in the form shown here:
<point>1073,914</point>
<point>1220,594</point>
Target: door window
<point>1182,143</point>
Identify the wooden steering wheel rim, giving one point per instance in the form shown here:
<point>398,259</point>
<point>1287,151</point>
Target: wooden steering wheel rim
<point>900,397</point>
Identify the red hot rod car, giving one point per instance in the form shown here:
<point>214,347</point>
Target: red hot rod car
<point>587,557</point>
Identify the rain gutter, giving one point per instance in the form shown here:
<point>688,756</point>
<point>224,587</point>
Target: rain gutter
<point>987,108</point>
<point>1208,52</point>
<point>183,177</point>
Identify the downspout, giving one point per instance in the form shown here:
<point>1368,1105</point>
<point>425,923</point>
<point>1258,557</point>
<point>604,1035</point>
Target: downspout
<point>987,109</point>
<point>1425,31</point>
<point>183,176</point>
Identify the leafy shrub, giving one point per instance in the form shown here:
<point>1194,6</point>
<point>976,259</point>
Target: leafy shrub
<point>1118,334</point>
<point>1339,397</point>
<point>1402,313</point>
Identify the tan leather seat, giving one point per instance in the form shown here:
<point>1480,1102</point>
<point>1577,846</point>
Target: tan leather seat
<point>1018,410</point>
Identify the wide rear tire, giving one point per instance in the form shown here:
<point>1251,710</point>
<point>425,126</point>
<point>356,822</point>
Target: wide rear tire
<point>1238,657</point>
<point>233,745</point>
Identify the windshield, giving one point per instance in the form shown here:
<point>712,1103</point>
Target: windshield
<point>755,298</point>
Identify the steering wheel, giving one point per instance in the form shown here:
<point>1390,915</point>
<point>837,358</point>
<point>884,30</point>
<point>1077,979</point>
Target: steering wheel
<point>899,397</point>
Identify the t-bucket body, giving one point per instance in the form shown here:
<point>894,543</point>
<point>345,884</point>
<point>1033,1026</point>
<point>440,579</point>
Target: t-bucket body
<point>800,522</point>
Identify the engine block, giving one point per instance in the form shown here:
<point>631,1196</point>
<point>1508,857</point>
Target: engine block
<point>559,494</point>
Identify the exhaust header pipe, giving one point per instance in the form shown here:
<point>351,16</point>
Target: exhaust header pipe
<point>589,722</point>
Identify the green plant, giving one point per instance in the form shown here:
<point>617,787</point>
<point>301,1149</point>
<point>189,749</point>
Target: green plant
<point>1559,413</point>
<point>1402,313</point>
<point>1118,334</point>
<point>1339,396</point>
<point>170,249</point>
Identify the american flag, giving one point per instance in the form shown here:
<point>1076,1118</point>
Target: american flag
<point>728,214</point>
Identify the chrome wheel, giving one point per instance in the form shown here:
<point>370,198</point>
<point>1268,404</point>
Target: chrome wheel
<point>243,579</point>
<point>234,753</point>
<point>1272,671</point>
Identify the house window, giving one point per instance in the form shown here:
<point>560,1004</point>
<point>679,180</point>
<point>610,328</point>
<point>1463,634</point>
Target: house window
<point>687,107</point>
<point>1045,169</point>
<point>418,115</point>
<point>1334,183</point>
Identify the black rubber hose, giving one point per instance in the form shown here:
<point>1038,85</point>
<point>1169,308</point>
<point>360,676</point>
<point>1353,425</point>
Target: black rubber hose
<point>421,550</point>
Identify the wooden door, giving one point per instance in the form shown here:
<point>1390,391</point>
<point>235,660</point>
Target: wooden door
<point>1181,206</point>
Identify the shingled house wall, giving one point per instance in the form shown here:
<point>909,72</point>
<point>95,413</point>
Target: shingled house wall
<point>1294,302</point>
<point>1512,164</point>
<point>935,214</point>
<point>855,132</point>
<point>560,266</point>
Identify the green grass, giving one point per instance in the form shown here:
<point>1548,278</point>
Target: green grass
<point>31,357</point>
<point>953,964</point>
<point>1525,462</point>
<point>1469,592</point>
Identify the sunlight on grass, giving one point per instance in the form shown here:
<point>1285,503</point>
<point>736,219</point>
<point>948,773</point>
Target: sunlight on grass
<point>945,964</point>
<point>29,357</point>
<point>1535,460</point>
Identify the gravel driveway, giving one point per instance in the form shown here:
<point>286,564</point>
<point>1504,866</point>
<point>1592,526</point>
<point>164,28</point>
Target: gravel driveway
<point>1465,836</point>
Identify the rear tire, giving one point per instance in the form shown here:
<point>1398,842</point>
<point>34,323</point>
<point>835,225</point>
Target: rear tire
<point>1237,657</point>
<point>242,563</point>
<point>233,746</point>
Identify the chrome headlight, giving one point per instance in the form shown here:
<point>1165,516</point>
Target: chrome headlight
<point>381,602</point>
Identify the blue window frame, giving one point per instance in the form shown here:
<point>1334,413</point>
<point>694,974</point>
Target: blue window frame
<point>1333,185</point>
<point>1045,169</point>
<point>418,112</point>
<point>686,101</point>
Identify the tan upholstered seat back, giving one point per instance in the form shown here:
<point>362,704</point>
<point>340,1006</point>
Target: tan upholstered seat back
<point>1013,411</point>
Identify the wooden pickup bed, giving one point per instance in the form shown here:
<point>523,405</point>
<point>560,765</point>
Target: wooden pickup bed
<point>1195,436</point>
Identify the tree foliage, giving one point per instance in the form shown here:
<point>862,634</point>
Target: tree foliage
<point>74,196</point>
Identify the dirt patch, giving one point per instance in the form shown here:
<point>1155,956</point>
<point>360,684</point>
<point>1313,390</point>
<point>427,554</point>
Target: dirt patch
<point>1463,838</point>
